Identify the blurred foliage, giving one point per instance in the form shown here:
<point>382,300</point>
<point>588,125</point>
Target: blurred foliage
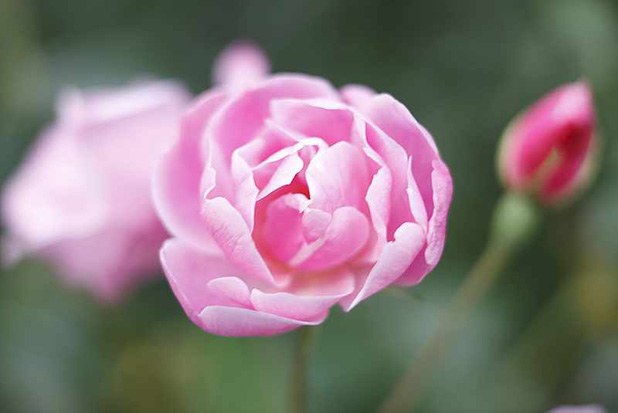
<point>546,335</point>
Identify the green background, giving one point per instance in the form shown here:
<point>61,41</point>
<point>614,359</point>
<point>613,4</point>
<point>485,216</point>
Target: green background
<point>547,334</point>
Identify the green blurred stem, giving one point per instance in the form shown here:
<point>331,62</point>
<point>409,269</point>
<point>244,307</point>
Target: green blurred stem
<point>300,369</point>
<point>513,222</point>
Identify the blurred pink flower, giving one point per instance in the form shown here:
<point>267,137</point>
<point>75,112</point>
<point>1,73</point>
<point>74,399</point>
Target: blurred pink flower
<point>81,198</point>
<point>549,149</point>
<point>286,196</point>
<point>593,408</point>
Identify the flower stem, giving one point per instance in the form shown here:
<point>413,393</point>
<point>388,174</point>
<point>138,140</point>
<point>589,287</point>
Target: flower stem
<point>513,222</point>
<point>300,369</point>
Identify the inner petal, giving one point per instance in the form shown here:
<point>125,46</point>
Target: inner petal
<point>345,237</point>
<point>327,120</point>
<point>338,176</point>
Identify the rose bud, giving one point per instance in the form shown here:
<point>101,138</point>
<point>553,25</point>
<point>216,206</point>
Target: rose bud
<point>81,199</point>
<point>549,150</point>
<point>286,196</point>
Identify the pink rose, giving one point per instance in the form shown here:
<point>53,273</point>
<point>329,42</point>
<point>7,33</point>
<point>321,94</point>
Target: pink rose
<point>286,196</point>
<point>81,198</point>
<point>549,150</point>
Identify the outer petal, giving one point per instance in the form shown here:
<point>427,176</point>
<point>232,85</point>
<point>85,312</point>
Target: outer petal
<point>310,296</point>
<point>239,322</point>
<point>189,272</point>
<point>176,187</point>
<point>387,153</point>
<point>305,307</point>
<point>442,184</point>
<point>398,123</point>
<point>436,231</point>
<point>395,259</point>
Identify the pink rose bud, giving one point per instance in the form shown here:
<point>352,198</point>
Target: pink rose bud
<point>549,149</point>
<point>286,196</point>
<point>82,200</point>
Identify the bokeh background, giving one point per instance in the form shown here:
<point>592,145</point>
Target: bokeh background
<point>547,334</point>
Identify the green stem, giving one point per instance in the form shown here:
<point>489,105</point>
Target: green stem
<point>300,369</point>
<point>513,221</point>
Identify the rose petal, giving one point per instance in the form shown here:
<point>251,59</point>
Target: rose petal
<point>240,322</point>
<point>282,232</point>
<point>233,288</point>
<point>395,259</point>
<point>436,229</point>
<point>176,187</point>
<point>318,299</point>
<point>292,306</point>
<point>241,119</point>
<point>245,190</point>
<point>55,194</point>
<point>346,235</point>
<point>189,271</point>
<point>104,105</point>
<point>283,175</point>
<point>398,123</point>
<point>240,65</point>
<point>230,232</point>
<point>323,119</point>
<point>330,173</point>
<point>357,96</point>
<point>415,199</point>
<point>387,153</point>
<point>315,223</point>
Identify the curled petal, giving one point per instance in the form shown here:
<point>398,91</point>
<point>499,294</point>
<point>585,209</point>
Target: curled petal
<point>329,175</point>
<point>233,288</point>
<point>283,174</point>
<point>240,322</point>
<point>398,123</point>
<point>282,232</point>
<point>442,194</point>
<point>395,259</point>
<point>415,199</point>
<point>230,232</point>
<point>346,235</point>
<point>294,306</point>
<point>436,230</point>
